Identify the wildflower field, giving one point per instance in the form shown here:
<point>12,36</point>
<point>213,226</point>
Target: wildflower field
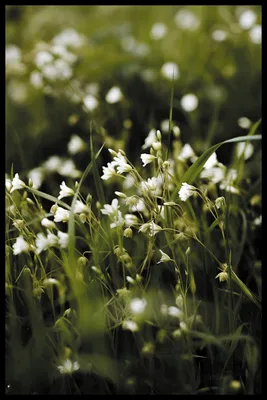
<point>133,200</point>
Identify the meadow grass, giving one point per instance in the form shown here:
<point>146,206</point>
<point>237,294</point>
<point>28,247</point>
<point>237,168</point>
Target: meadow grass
<point>141,295</point>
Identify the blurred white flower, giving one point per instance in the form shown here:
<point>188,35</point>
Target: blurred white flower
<point>69,37</point>
<point>219,35</point>
<point>92,88</point>
<point>114,95</point>
<point>189,102</point>
<point>20,246</point>
<point>65,191</point>
<point>130,219</point>
<point>90,102</point>
<point>17,183</point>
<point>223,276</point>
<point>108,171</point>
<point>64,71</point>
<point>255,34</point>
<point>128,182</point>
<point>76,144</point>
<point>48,224</point>
<point>43,58</point>
<point>52,164</point>
<point>186,191</point>
<point>164,126</point>
<point>175,312</point>
<point>80,207</point>
<point>215,174</point>
<point>247,19</point>
<point>170,71</point>
<point>211,161</point>
<point>8,184</point>
<point>164,257</point>
<point>61,215</point>
<point>186,20</point>
<point>50,72</point>
<point>13,54</point>
<point>68,367</point>
<point>36,79</point>
<point>17,91</point>
<point>244,148</point>
<point>258,221</point>
<point>187,153</point>
<point>138,306</point>
<point>62,52</point>
<point>68,168</point>
<point>147,158</point>
<point>220,202</point>
<point>63,239</point>
<point>37,176</point>
<point>151,137</point>
<point>244,122</point>
<point>130,326</point>
<point>158,31</point>
<point>43,243</point>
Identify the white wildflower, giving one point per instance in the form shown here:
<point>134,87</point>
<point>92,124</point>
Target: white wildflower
<point>43,243</point>
<point>111,209</point>
<point>158,31</point>
<point>69,37</point>
<point>18,223</point>
<point>65,191</point>
<point>43,58</point>
<point>130,326</point>
<point>151,137</point>
<point>121,163</point>
<point>189,102</point>
<point>90,102</point>
<point>154,229</point>
<point>187,153</point>
<point>147,158</point>
<point>76,145</point>
<point>220,202</point>
<point>130,219</point>
<point>114,95</point>
<point>63,239</point>
<point>68,367</point>
<point>211,161</point>
<point>68,168</point>
<point>186,191</point>
<point>8,185</point>
<point>257,221</point>
<point>138,306</point>
<point>36,79</point>
<point>48,224</point>
<point>130,280</point>
<point>247,19</point>
<point>164,257</point>
<point>62,52</point>
<point>215,174</point>
<point>186,19</point>
<point>108,171</point>
<point>227,183</point>
<point>255,34</point>
<point>244,149</point>
<point>52,164</point>
<point>80,207</point>
<point>170,71</point>
<point>219,35</point>
<point>20,246</point>
<point>17,183</point>
<point>61,215</point>
<point>128,182</point>
<point>223,276</point>
<point>37,176</point>
<point>13,54</point>
<point>244,122</point>
<point>175,312</point>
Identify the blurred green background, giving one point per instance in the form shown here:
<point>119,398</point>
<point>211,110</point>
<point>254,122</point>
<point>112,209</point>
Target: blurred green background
<point>90,49</point>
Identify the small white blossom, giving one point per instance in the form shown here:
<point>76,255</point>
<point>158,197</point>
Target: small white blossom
<point>138,306</point>
<point>187,153</point>
<point>61,215</point>
<point>17,183</point>
<point>170,71</point>
<point>20,246</point>
<point>68,367</point>
<point>245,149</point>
<point>114,95</point>
<point>52,164</point>
<point>164,257</point>
<point>247,19</point>
<point>258,221</point>
<point>8,185</point>
<point>189,102</point>
<point>175,312</point>
<point>80,207</point>
<point>147,158</point>
<point>111,209</point>
<point>48,224</point>
<point>244,122</point>
<point>158,31</point>
<point>65,191</point>
<point>121,163</point>
<point>219,35</point>
<point>13,54</point>
<point>186,19</point>
<point>255,34</point>
<point>68,168</point>
<point>69,37</point>
<point>220,202</point>
<point>63,239</point>
<point>151,137</point>
<point>76,145</point>
<point>211,161</point>
<point>223,276</point>
<point>43,243</point>
<point>43,58</point>
<point>37,176</point>
<point>215,174</point>
<point>90,102</point>
<point>227,183</point>
<point>36,79</point>
<point>130,219</point>
<point>130,326</point>
<point>108,171</point>
<point>186,191</point>
<point>128,182</point>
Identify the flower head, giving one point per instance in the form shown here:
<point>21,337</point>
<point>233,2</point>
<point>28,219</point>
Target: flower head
<point>114,95</point>
<point>17,183</point>
<point>48,224</point>
<point>130,326</point>
<point>65,191</point>
<point>76,145</point>
<point>138,306</point>
<point>68,367</point>
<point>61,215</point>
<point>164,257</point>
<point>20,246</point>
<point>63,239</point>
<point>108,171</point>
<point>186,191</point>
<point>147,158</point>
